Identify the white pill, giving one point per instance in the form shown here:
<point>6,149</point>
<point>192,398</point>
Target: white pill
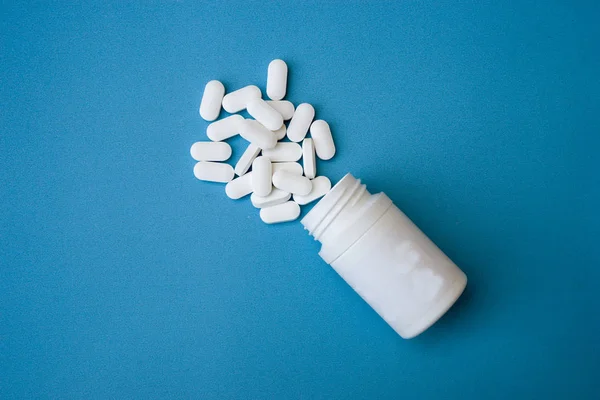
<point>308,158</point>
<point>265,114</point>
<point>284,212</point>
<point>277,79</point>
<point>284,107</point>
<point>254,132</point>
<point>300,122</point>
<point>293,183</point>
<point>224,128</point>
<point>237,100</point>
<point>246,159</point>
<point>321,135</point>
<point>284,151</point>
<point>261,176</point>
<point>292,167</point>
<point>210,151</point>
<point>275,197</point>
<point>210,105</point>
<point>280,133</point>
<point>239,187</point>
<point>213,171</point>
<point>321,185</point>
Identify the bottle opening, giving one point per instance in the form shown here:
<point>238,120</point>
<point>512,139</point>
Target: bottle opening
<point>347,193</point>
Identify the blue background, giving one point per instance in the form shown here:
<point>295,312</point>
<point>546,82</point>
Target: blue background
<point>121,276</point>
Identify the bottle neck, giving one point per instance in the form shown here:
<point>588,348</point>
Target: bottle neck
<point>324,221</point>
<point>343,215</point>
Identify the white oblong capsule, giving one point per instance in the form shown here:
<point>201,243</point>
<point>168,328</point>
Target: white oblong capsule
<point>213,171</point>
<point>293,183</point>
<point>283,107</point>
<point>300,122</point>
<point>237,100</point>
<point>245,161</point>
<point>280,133</point>
<point>308,158</point>
<point>224,128</point>
<point>272,199</point>
<point>254,132</point>
<point>210,151</point>
<point>277,79</point>
<point>261,176</point>
<point>292,167</point>
<point>265,114</point>
<point>284,151</point>
<point>284,212</point>
<point>321,135</point>
<point>210,105</point>
<point>321,185</point>
<point>239,187</point>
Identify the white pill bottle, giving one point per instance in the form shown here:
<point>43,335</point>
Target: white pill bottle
<point>384,257</point>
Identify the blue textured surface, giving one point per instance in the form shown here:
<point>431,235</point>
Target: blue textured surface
<point>121,276</point>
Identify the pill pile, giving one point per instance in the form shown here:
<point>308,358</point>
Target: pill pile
<point>268,170</point>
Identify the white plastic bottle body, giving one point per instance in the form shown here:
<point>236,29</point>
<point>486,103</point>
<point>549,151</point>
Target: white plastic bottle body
<point>384,257</point>
<point>410,282</point>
